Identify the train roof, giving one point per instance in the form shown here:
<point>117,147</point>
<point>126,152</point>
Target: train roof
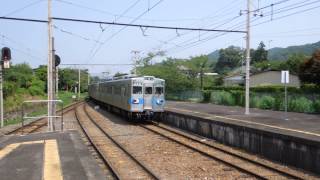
<point>122,78</point>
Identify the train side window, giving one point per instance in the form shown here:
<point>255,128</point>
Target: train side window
<point>159,90</point>
<point>136,90</point>
<point>148,90</point>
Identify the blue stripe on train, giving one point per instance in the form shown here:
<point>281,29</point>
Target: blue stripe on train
<point>141,100</point>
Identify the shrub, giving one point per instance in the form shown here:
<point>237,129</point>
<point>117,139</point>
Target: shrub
<point>206,96</point>
<point>238,97</point>
<point>316,106</point>
<point>223,98</point>
<point>266,102</point>
<point>253,101</point>
<point>35,90</point>
<point>307,88</point>
<point>301,104</point>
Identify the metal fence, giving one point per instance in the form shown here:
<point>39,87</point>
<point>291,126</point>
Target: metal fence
<point>42,112</point>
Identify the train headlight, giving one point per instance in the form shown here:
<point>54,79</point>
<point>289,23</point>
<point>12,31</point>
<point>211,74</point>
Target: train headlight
<point>135,101</point>
<point>159,101</point>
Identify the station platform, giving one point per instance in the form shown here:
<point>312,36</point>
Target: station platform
<point>47,156</point>
<point>306,126</point>
<point>292,139</point>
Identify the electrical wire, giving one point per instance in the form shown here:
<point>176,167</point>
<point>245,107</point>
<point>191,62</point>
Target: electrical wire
<point>95,46</point>
<point>216,15</point>
<point>195,43</point>
<point>114,34</point>
<point>75,35</point>
<point>23,8</point>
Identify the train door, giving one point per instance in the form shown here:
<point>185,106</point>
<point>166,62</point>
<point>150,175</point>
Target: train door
<point>148,95</point>
<point>123,97</point>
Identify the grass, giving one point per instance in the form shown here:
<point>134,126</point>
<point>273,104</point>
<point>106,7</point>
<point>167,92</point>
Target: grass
<point>65,96</point>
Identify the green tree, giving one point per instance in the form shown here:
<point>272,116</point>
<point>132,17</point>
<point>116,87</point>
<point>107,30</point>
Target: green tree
<point>198,66</point>
<point>309,71</point>
<point>176,80</point>
<point>41,72</point>
<point>261,54</point>
<point>68,79</point>
<point>21,74</point>
<point>146,61</point>
<point>294,62</point>
<point>229,59</point>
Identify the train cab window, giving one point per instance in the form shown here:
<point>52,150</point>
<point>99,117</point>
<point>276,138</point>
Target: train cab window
<point>159,90</point>
<point>136,90</point>
<point>148,90</point>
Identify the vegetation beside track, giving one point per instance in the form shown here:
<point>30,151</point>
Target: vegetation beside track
<point>65,96</point>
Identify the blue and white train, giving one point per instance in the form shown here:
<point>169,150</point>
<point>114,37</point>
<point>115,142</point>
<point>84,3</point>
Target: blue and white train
<point>133,97</point>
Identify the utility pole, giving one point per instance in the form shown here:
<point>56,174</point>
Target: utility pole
<point>57,81</point>
<point>50,80</point>
<point>1,96</point>
<point>4,63</point>
<point>79,83</point>
<point>247,106</point>
<point>134,59</point>
<point>88,78</point>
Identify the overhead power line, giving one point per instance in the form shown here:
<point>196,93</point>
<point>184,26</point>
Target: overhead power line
<point>24,19</point>
<point>271,13</point>
<point>124,24</point>
<point>116,33</point>
<point>96,45</point>
<point>146,26</point>
<point>85,64</point>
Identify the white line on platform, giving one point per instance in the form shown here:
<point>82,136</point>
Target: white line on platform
<point>248,122</point>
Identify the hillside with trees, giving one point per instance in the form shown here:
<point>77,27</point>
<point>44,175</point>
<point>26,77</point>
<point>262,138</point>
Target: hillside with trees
<point>282,54</point>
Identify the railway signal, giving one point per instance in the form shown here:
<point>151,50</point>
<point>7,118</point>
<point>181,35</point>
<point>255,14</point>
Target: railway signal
<point>5,57</point>
<point>5,63</point>
<point>57,60</point>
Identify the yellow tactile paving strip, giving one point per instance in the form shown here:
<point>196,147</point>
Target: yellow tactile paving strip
<point>52,167</point>
<point>8,149</point>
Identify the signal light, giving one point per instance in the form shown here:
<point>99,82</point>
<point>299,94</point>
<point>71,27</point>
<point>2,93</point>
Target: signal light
<point>5,57</point>
<point>5,54</point>
<point>57,60</point>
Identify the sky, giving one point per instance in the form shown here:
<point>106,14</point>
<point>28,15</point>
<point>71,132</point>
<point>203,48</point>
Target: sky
<point>286,23</point>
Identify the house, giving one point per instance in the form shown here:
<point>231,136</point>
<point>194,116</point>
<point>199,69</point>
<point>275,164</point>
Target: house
<point>272,78</point>
<point>267,78</point>
<point>234,80</point>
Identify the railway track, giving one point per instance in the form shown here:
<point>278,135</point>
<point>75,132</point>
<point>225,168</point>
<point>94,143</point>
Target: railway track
<point>37,125</point>
<point>167,158</point>
<point>121,163</point>
<point>247,165</point>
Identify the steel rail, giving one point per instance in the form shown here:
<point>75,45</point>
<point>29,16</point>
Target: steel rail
<point>105,160</point>
<point>144,167</point>
<point>228,152</point>
<point>206,154</point>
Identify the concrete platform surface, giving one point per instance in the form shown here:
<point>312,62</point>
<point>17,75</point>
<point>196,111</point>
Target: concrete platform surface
<point>298,124</point>
<point>47,156</point>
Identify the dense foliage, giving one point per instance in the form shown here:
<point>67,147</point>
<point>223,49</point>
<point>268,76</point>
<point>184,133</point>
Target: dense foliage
<point>181,74</point>
<point>310,69</point>
<point>21,82</point>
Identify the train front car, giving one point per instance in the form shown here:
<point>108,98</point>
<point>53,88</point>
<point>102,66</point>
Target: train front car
<point>147,98</point>
<point>153,96</point>
<point>158,100</point>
